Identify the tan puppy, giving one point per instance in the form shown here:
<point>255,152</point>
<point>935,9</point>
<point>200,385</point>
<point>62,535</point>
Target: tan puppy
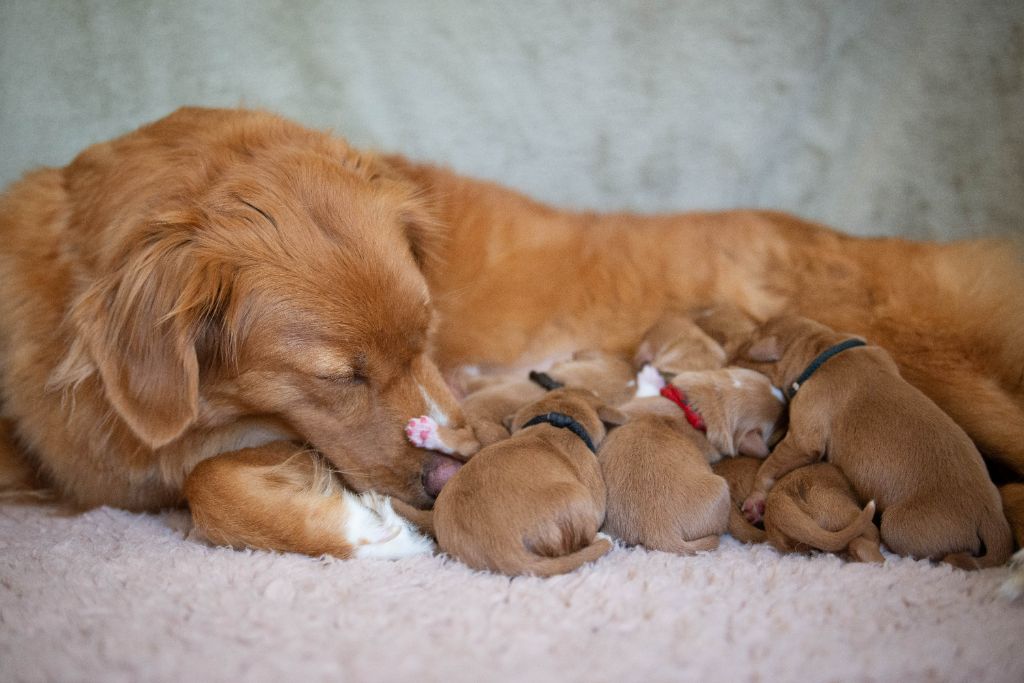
<point>814,508</point>
<point>728,325</point>
<point>893,444</point>
<point>740,408</point>
<point>608,375</point>
<point>676,344</point>
<point>811,508</point>
<point>661,491</point>
<point>533,503</point>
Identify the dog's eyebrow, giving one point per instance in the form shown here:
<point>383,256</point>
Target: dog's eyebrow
<point>259,211</point>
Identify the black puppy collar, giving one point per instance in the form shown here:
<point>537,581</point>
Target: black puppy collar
<point>563,421</point>
<point>818,362</point>
<point>546,381</point>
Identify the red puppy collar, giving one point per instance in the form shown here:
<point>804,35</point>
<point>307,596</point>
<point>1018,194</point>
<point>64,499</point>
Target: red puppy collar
<point>673,394</point>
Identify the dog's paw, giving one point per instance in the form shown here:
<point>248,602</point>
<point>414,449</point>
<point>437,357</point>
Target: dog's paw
<point>423,432</point>
<point>753,508</point>
<point>376,530</point>
<point>649,382</point>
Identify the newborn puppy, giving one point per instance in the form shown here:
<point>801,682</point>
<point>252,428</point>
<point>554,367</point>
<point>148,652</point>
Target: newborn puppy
<point>811,508</point>
<point>849,406</point>
<point>533,503</point>
<point>729,325</point>
<point>661,491</point>
<point>740,408</point>
<point>675,344</point>
<point>609,376</point>
<point>814,508</point>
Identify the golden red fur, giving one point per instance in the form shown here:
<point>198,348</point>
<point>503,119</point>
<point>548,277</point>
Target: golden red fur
<point>225,279</point>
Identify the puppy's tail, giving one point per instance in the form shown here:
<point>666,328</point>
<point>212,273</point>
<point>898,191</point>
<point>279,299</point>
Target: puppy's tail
<point>551,566</point>
<point>995,533</point>
<point>791,520</point>
<point>742,530</point>
<point>681,547</point>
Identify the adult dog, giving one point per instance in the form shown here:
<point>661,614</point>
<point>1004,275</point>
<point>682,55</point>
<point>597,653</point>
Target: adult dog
<point>186,306</point>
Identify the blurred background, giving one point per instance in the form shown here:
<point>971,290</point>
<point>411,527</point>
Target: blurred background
<point>874,116</point>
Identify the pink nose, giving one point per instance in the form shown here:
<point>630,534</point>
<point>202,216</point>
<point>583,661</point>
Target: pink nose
<point>437,471</point>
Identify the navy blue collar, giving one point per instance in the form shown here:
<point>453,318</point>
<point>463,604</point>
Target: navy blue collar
<point>818,362</point>
<point>544,380</point>
<point>563,421</point>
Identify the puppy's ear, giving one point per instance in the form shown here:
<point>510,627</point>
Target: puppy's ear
<point>612,416</point>
<point>139,328</point>
<point>753,443</point>
<point>509,420</point>
<point>765,350</point>
<point>644,355</point>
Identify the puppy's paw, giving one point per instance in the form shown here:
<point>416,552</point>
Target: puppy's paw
<point>423,432</point>
<point>649,382</point>
<point>753,508</point>
<point>375,530</point>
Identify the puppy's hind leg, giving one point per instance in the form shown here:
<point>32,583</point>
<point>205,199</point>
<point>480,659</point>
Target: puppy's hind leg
<point>281,497</point>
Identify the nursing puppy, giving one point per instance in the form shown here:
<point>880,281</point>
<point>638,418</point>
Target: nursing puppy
<point>811,508</point>
<point>676,344</point>
<point>894,445</point>
<point>662,493</point>
<point>533,503</point>
<point>740,407</point>
<point>814,508</point>
<point>606,374</point>
<point>728,325</point>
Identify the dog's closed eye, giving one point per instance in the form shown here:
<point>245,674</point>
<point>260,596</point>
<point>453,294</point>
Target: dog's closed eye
<point>348,377</point>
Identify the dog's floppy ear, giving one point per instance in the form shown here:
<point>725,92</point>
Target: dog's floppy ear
<point>765,350</point>
<point>612,416</point>
<point>139,326</point>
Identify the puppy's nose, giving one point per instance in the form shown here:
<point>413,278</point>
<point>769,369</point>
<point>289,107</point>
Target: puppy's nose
<point>437,470</point>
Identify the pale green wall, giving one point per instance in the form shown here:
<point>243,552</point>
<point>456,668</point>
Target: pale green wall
<point>901,117</point>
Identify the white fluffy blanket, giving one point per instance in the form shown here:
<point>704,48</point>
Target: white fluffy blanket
<point>113,596</point>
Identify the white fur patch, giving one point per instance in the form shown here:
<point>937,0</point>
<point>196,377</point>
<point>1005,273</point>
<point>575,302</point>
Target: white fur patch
<point>422,432</point>
<point>376,531</point>
<point>1013,587</point>
<point>433,410</point>
<point>649,382</point>
<point>777,393</point>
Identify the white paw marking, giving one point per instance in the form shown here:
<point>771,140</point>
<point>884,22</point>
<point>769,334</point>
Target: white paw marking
<point>376,531</point>
<point>649,382</point>
<point>422,432</point>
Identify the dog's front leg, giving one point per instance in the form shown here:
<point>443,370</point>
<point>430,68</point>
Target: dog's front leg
<point>788,455</point>
<point>283,497</point>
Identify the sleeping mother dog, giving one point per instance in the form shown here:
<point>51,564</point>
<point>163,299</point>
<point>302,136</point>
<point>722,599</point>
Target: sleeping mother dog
<point>200,310</point>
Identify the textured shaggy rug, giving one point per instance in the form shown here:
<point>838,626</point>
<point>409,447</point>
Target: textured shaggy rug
<point>114,596</point>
